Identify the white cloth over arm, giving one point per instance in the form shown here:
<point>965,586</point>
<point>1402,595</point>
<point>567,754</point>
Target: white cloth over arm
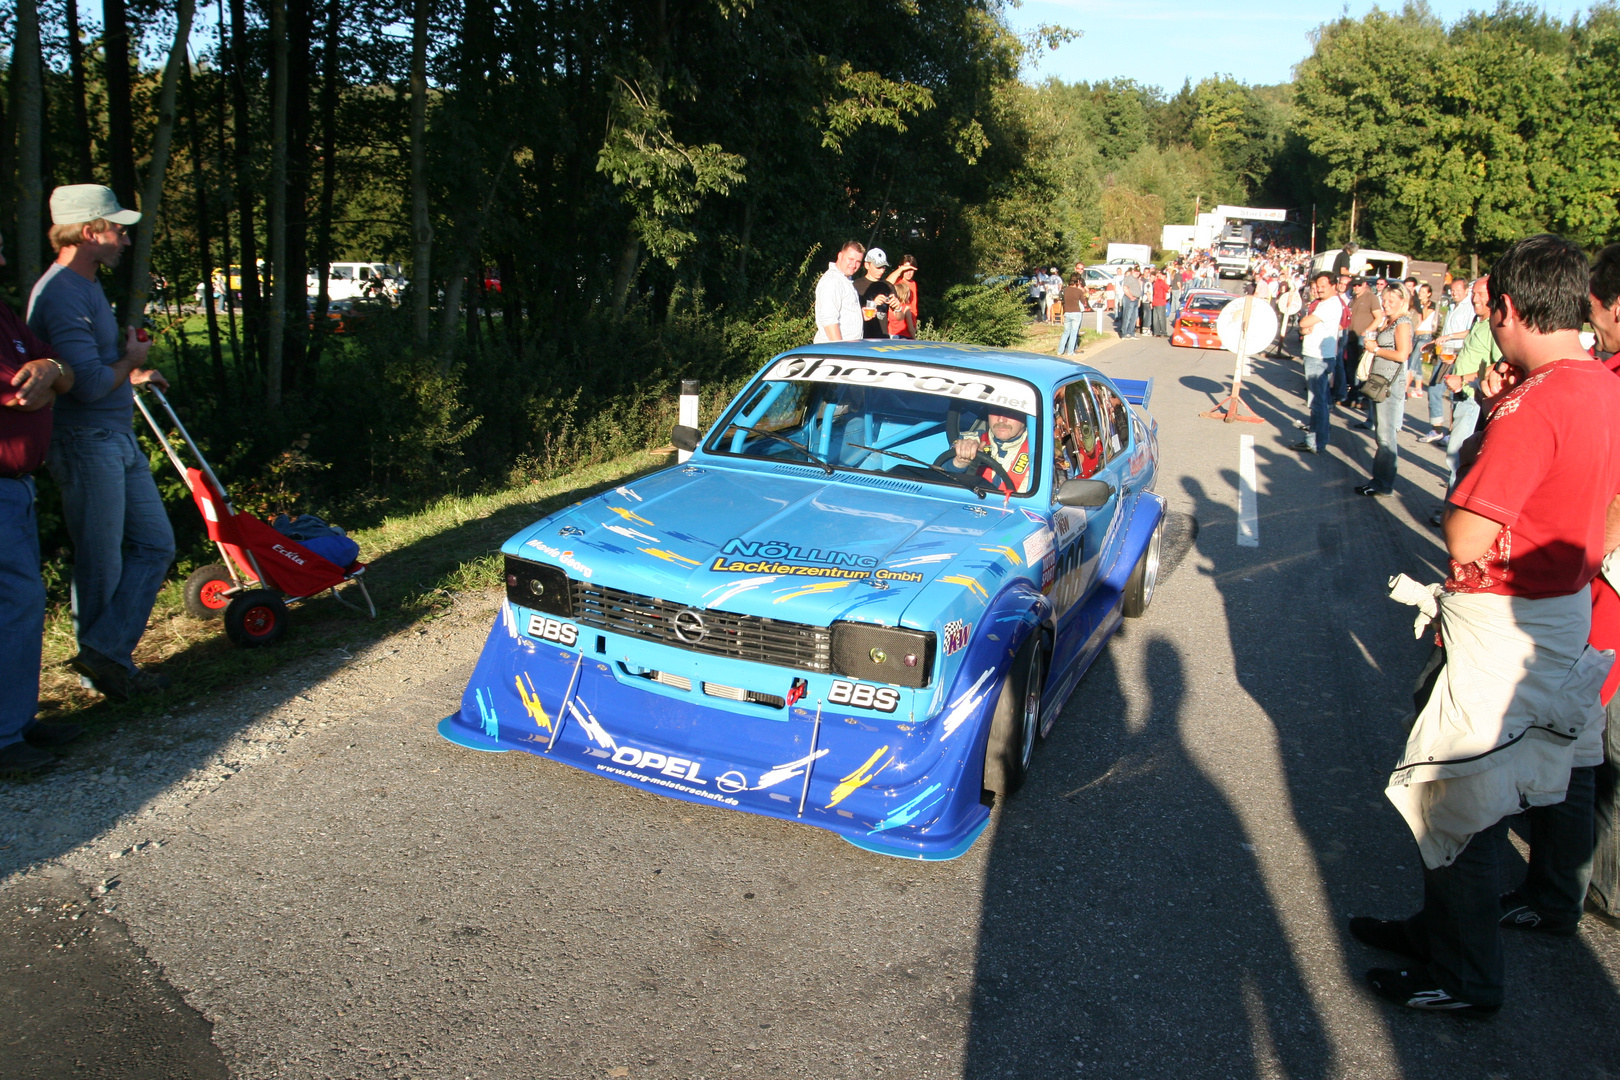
<point>1513,709</point>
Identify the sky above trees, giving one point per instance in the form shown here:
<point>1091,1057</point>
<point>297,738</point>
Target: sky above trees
<point>1163,42</point>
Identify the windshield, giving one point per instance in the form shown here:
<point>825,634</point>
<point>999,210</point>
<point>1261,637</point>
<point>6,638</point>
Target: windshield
<point>1233,249</point>
<point>1208,303</point>
<point>888,418</point>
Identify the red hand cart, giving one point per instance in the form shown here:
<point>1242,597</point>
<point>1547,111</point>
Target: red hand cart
<point>263,571</point>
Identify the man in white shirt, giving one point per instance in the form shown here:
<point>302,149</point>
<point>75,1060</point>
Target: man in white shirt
<point>1319,326</point>
<point>838,308</point>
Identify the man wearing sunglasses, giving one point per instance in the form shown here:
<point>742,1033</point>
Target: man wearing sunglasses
<point>122,542</point>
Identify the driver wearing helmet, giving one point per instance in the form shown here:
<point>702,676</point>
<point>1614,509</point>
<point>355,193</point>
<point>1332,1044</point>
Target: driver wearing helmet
<point>1006,442</point>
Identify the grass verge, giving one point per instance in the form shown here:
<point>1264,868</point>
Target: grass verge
<point>418,563</point>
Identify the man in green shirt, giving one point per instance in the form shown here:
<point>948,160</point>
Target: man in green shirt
<point>1476,356</point>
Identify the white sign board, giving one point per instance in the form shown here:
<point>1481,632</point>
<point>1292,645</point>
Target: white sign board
<point>1246,326</point>
<point>1250,213</point>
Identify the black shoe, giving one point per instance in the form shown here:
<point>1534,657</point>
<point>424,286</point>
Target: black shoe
<point>1303,447</point>
<point>22,758</point>
<point>1387,934</point>
<point>49,734</point>
<point>1300,425</point>
<point>1417,990</point>
<point>112,679</point>
<point>1518,915</point>
<point>149,682</point>
<point>1372,492</point>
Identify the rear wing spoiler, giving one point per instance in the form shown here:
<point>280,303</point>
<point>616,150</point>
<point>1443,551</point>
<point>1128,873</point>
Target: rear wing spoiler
<point>1135,391</point>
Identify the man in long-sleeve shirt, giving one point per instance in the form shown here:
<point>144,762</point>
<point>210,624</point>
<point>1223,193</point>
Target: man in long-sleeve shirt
<point>122,542</point>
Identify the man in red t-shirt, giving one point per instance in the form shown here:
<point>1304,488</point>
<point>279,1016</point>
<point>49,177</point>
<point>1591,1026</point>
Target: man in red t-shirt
<point>1530,520</point>
<point>30,379</point>
<point>1159,326</point>
<point>1604,882</point>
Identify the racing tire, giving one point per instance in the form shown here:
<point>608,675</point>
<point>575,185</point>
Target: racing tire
<point>1016,722</point>
<point>255,618</point>
<point>1145,578</point>
<point>204,591</point>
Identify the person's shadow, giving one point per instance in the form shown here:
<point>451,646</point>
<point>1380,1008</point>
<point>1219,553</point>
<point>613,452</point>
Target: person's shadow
<point>1127,931</point>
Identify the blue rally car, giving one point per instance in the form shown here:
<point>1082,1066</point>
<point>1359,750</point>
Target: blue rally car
<point>857,605</point>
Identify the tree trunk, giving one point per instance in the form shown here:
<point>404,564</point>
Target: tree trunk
<point>238,360</point>
<point>624,277</point>
<point>421,226</point>
<point>140,287</point>
<point>511,303</point>
<point>252,355</point>
<point>278,269</point>
<point>30,119</point>
<point>204,231</point>
<point>120,131</point>
<point>83,169</point>
<point>323,237</point>
<point>295,299</point>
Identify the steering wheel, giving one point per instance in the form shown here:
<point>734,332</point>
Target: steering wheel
<point>981,460</point>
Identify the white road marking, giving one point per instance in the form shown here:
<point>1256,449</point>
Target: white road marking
<point>1248,526</point>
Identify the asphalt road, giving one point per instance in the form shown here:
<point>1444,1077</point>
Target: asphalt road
<point>339,893</point>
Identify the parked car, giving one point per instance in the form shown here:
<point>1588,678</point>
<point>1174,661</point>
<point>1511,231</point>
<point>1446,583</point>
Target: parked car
<point>344,316</point>
<point>353,280</point>
<point>815,618</point>
<point>1195,328</point>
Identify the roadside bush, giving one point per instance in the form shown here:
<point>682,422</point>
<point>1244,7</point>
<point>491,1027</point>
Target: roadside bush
<point>980,315</point>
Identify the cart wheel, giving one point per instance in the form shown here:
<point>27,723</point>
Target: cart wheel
<point>204,591</point>
<point>255,618</point>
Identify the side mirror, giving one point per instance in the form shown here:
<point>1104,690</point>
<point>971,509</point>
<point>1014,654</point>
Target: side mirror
<point>685,438</point>
<point>1084,493</point>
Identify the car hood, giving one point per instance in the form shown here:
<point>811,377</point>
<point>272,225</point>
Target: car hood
<point>782,542</point>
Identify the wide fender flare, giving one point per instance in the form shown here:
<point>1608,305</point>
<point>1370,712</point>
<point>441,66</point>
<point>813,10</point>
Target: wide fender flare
<point>1016,612</point>
<point>1149,511</point>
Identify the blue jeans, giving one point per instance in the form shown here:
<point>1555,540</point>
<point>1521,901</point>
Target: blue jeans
<point>1437,403</point>
<point>22,609</point>
<point>1319,400</point>
<point>1388,416</point>
<point>1126,323</point>
<point>1071,332</point>
<point>122,541</point>
<point>1464,418</point>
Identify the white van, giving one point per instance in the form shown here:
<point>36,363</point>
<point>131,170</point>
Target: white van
<point>1366,262</point>
<point>350,280</point>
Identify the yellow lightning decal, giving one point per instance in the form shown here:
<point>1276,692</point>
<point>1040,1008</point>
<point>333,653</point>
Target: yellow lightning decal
<point>667,556</point>
<point>859,777</point>
<point>967,583</point>
<point>819,587</point>
<point>628,515</point>
<point>1007,551</point>
<point>531,702</point>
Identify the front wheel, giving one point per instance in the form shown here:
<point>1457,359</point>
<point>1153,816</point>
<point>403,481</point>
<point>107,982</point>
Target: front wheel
<point>1145,578</point>
<point>1017,720</point>
<point>205,591</point>
<point>255,618</point>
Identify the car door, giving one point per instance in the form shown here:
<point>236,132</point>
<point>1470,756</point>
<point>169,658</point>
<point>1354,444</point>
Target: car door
<point>1079,453</point>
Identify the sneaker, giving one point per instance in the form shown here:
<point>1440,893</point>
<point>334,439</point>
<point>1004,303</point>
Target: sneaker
<point>112,680</point>
<point>45,733</point>
<point>1417,990</point>
<point>1300,425</point>
<point>1372,492</point>
<point>21,758</point>
<point>1387,934</point>
<point>1518,915</point>
<point>1303,447</point>
<point>1435,435</point>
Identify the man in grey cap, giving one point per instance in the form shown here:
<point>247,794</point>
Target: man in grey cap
<point>122,542</point>
<point>876,295</point>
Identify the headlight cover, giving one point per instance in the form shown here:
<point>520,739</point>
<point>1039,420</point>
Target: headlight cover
<point>883,654</point>
<point>538,587</point>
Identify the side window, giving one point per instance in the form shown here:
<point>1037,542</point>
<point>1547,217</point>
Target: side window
<point>1082,417</point>
<point>1065,446</point>
<point>1114,426</point>
<point>365,273</point>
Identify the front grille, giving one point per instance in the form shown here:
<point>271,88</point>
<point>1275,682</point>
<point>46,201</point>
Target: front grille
<point>741,637</point>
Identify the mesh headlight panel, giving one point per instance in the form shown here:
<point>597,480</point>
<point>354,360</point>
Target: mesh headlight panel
<point>883,654</point>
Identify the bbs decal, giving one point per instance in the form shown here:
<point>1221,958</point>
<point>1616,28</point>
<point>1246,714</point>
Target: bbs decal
<point>864,696</point>
<point>552,630</point>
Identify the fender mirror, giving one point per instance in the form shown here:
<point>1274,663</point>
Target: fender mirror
<point>685,438</point>
<point>1084,493</point>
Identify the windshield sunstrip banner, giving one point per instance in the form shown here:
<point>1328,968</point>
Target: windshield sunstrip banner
<point>922,378</point>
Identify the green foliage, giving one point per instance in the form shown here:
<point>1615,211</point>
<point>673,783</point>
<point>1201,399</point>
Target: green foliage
<point>980,315</point>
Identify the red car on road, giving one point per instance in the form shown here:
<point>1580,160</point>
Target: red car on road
<point>1195,327</point>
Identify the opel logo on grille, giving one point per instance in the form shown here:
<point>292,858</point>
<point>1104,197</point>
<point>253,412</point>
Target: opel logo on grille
<point>689,626</point>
